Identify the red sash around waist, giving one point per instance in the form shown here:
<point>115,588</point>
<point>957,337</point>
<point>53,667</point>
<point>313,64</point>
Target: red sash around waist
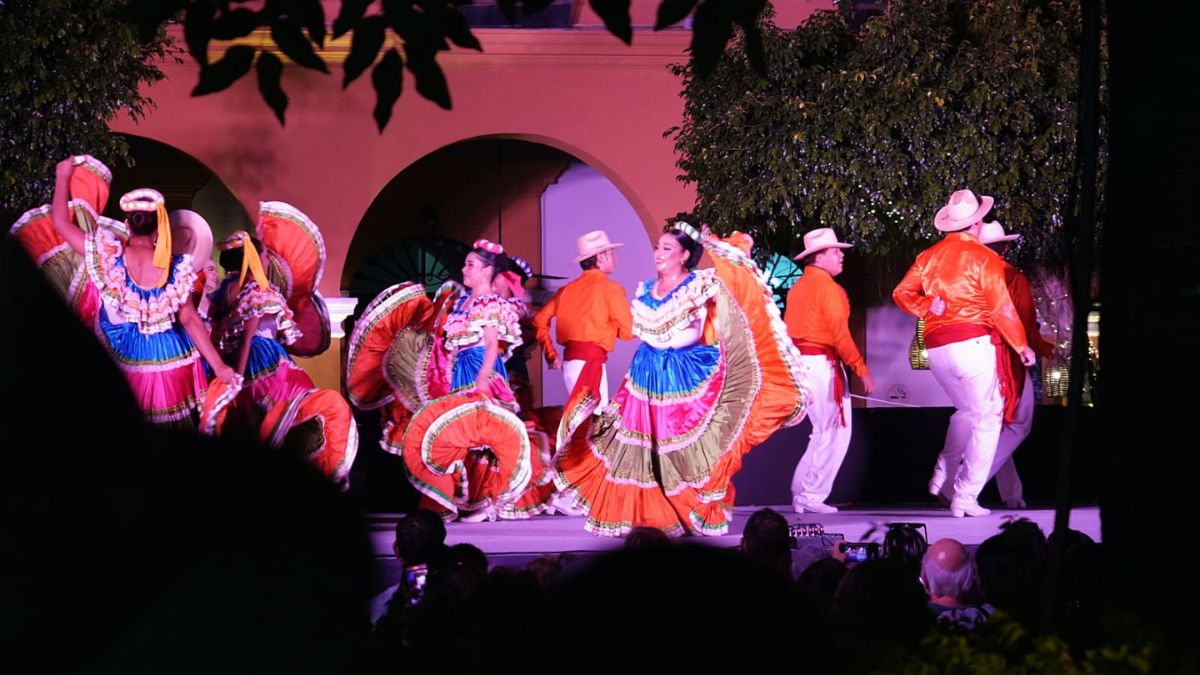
<point>1010,384</point>
<point>594,357</point>
<point>839,374</point>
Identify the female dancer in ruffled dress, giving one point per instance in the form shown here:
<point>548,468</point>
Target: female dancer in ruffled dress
<point>715,376</point>
<point>266,309</point>
<point>479,334</point>
<point>254,325</point>
<point>147,320</point>
<point>438,370</point>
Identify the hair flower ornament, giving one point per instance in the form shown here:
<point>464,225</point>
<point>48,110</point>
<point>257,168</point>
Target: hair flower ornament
<point>489,246</point>
<point>687,229</point>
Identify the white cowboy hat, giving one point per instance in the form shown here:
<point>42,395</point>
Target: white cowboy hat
<point>190,233</point>
<point>819,240</point>
<point>962,211</point>
<point>592,243</point>
<point>993,232</point>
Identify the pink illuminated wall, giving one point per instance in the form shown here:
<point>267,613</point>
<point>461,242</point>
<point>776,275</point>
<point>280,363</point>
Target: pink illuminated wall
<point>579,91</point>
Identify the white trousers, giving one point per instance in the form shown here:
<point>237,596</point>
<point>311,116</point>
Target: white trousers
<point>827,444</point>
<point>571,370</point>
<point>1004,469</point>
<point>966,370</point>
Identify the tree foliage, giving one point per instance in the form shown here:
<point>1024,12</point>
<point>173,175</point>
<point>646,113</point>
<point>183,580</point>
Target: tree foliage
<point>422,28</point>
<point>869,130</point>
<point>70,67</point>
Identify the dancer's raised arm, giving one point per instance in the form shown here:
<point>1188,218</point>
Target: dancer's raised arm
<point>60,213</point>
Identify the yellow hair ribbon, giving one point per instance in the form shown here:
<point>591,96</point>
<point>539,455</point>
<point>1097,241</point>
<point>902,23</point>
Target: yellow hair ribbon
<point>162,247</point>
<point>251,261</point>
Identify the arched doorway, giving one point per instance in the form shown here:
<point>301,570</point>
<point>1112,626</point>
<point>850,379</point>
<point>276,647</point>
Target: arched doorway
<point>481,188</point>
<point>185,183</point>
<point>533,198</point>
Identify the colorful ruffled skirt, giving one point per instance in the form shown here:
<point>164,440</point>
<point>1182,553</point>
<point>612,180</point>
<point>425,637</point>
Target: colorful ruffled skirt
<point>272,377</point>
<point>483,475</point>
<point>466,453</point>
<point>61,264</point>
<point>164,370</point>
<point>482,458</point>
<point>664,451</point>
<point>318,427</point>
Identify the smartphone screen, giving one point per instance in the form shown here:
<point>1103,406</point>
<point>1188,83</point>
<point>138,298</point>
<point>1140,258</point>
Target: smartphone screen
<point>856,553</point>
<point>860,551</point>
<point>414,582</point>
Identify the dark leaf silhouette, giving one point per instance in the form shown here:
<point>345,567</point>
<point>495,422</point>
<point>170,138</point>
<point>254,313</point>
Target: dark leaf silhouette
<point>745,13</point>
<point>418,29</point>
<point>311,15</point>
<point>711,30</point>
<point>531,6</point>
<point>754,50</point>
<point>217,76</point>
<point>615,14</point>
<point>285,31</point>
<point>431,81</point>
<point>149,15</point>
<point>347,19</point>
<point>198,30</point>
<point>270,68</point>
<point>671,12</point>
<point>368,38</point>
<point>235,23</point>
<point>454,25</point>
<point>388,78</point>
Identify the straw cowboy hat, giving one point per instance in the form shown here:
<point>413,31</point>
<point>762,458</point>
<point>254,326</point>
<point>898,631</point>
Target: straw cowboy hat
<point>993,232</point>
<point>962,211</point>
<point>819,240</point>
<point>592,243</point>
<point>191,234</point>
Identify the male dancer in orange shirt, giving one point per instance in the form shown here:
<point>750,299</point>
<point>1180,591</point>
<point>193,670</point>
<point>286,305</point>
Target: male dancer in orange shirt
<point>818,321</point>
<point>592,311</point>
<point>958,287</point>
<point>1012,433</point>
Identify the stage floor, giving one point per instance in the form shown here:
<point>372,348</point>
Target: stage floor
<point>508,542</point>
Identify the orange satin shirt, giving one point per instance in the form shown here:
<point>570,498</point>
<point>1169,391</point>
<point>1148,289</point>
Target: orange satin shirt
<point>591,308</point>
<point>1022,298</point>
<point>970,278</point>
<point>818,312</point>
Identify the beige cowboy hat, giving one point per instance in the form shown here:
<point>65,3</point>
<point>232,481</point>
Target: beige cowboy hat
<point>191,234</point>
<point>993,233</point>
<point>592,243</point>
<point>962,211</point>
<point>819,240</point>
